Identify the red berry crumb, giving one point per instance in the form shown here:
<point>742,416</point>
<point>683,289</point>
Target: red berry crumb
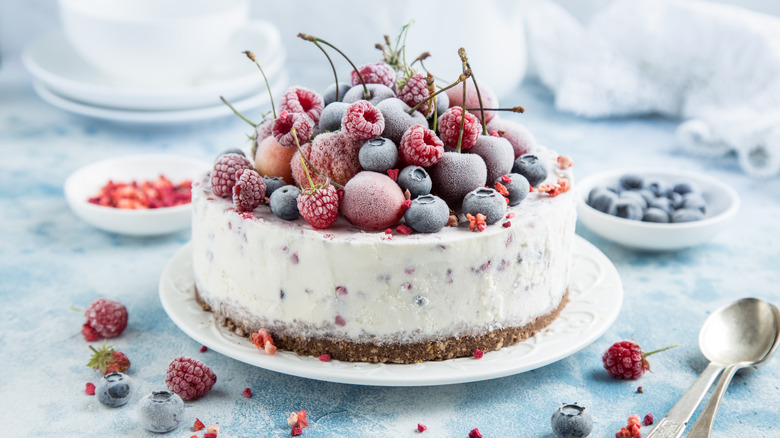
<point>198,425</point>
<point>478,354</point>
<point>648,420</point>
<point>296,431</point>
<point>475,433</point>
<point>404,229</point>
<point>90,335</point>
<point>420,146</point>
<point>90,389</point>
<point>389,231</point>
<point>247,393</point>
<point>324,358</point>
<point>210,435</point>
<point>189,378</point>
<point>106,317</point>
<point>421,427</point>
<point>393,174</point>
<point>143,194</point>
<point>203,349</point>
<point>302,421</point>
<point>631,430</point>
<point>405,206</point>
<point>507,224</point>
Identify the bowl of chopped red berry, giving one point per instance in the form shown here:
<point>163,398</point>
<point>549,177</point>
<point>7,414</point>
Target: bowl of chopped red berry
<point>140,195</point>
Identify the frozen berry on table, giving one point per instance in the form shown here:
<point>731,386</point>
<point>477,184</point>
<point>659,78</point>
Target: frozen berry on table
<point>656,215</point>
<point>420,146</point>
<point>521,139</point>
<point>687,215</point>
<point>378,155</point>
<point>517,187</point>
<point>486,201</point>
<point>627,208</point>
<point>648,420</point>
<point>273,160</point>
<point>372,201</point>
<point>287,123</point>
<point>333,91</point>
<point>330,120</point>
<point>319,205</point>
<point>375,73</point>
<point>427,214</point>
<point>247,392</point>
<point>161,411</point>
<point>450,132</point>
<point>625,360</point>
<point>114,389</point>
<point>296,431</point>
<point>415,91</point>
<point>107,360</point>
<point>284,202</point>
<point>489,99</point>
<point>631,182</point>
<point>571,421</point>
<point>189,378</point>
<point>397,118</point>
<point>302,100</point>
<point>532,168</point>
<point>632,429</point>
<point>416,180</point>
<point>106,317</point>
<point>455,175</point>
<point>249,190</point>
<point>272,183</point>
<point>378,93</point>
<point>223,176</point>
<point>497,153</point>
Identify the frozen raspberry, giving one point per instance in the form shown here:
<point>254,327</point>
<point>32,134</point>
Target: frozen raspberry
<point>284,124</point>
<point>198,425</point>
<point>625,360</point>
<point>489,100</point>
<point>249,191</point>
<point>189,378</point>
<point>333,155</point>
<point>449,128</point>
<point>362,121</point>
<point>372,201</point>
<point>319,206</point>
<point>302,100</point>
<point>223,177</point>
<point>415,91</point>
<point>377,73</point>
<point>106,317</point>
<point>296,431</point>
<point>420,146</point>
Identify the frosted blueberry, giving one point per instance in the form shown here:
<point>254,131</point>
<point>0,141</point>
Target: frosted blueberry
<point>160,411</point>
<point>416,180</point>
<point>427,214</point>
<point>486,201</point>
<point>114,389</point>
<point>658,187</point>
<point>654,214</point>
<point>683,188</point>
<point>676,200</point>
<point>694,200</point>
<point>517,186</point>
<point>284,202</point>
<point>687,215</point>
<point>631,182</point>
<point>604,200</point>
<point>532,168</point>
<point>330,119</point>
<point>571,421</point>
<point>636,196</point>
<point>662,203</point>
<point>627,209</point>
<point>271,184</point>
<point>378,155</point>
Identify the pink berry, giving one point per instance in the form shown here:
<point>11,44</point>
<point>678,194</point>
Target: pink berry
<point>415,91</point>
<point>648,420</point>
<point>283,127</point>
<point>519,136</point>
<point>90,388</point>
<point>420,146</point>
<point>478,354</point>
<point>449,128</point>
<point>106,317</point>
<point>421,427</point>
<point>189,378</point>
<point>362,121</point>
<point>475,433</point>
<point>249,191</point>
<point>377,73</point>
<point>625,360</point>
<point>489,100</point>
<point>302,100</point>
<point>247,393</point>
<point>372,201</point>
<point>223,176</point>
<point>319,206</point>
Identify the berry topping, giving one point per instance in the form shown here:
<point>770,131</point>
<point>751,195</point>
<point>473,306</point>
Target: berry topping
<point>416,180</point>
<point>474,433</point>
<point>114,389</point>
<point>377,73</point>
<point>648,420</point>
<point>378,155</point>
<point>398,119</point>
<point>476,223</point>
<point>517,187</point>
<point>486,201</point>
<point>107,360</point>
<point>106,317</point>
<point>449,128</point>
<point>415,91</point>
<point>497,153</point>
<point>632,429</point>
<point>223,177</point>
<point>249,190</point>
<point>532,168</point>
<point>571,421</point>
<point>302,100</point>
<point>198,425</point>
<point>478,354</point>
<point>421,427</point>
<point>283,129</point>
<point>247,393</point>
<point>404,229</point>
<point>457,174</point>
<point>420,146</point>
<point>161,411</point>
<point>625,360</point>
<point>372,201</point>
<point>427,214</point>
<point>272,183</point>
<point>189,378</point>
<point>319,206</point>
<point>89,389</point>
<point>330,120</point>
<point>284,202</point>
<point>362,121</point>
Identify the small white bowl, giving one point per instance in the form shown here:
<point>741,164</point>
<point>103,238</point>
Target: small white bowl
<point>87,182</point>
<point>722,205</point>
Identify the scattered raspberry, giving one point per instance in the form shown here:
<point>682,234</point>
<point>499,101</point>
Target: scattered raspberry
<point>564,161</point>
<point>198,425</point>
<point>510,215</point>
<point>223,176</point>
<point>249,190</point>
<point>270,348</point>
<point>107,360</point>
<point>378,73</point>
<point>247,393</point>
<point>415,91</point>
<point>475,433</point>
<point>389,231</point>
<point>648,420</point>
<point>507,224</point>
<point>477,223</point>
<point>478,354</point>
<point>506,179</point>
<point>107,318</point>
<point>640,390</point>
<point>319,206</point>
<point>302,421</point>
<point>631,430</point>
<point>501,189</point>
<point>326,357</point>
<point>405,206</point>
<point>449,128</point>
<point>393,174</point>
<point>90,388</point>
<point>625,360</point>
<point>404,229</point>
<point>203,349</point>
<point>362,121</point>
<point>420,146</point>
<point>189,378</point>
<point>90,335</point>
<point>421,427</point>
<point>210,435</point>
<point>283,129</point>
<point>302,100</point>
<point>145,194</point>
<point>296,431</point>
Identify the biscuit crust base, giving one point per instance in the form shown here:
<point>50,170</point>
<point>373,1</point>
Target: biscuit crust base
<point>406,353</point>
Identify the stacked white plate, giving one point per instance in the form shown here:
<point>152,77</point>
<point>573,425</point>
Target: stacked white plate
<point>62,78</point>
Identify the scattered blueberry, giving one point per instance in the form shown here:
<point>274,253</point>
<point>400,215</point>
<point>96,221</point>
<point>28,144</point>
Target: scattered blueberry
<point>427,214</point>
<point>694,200</point>
<point>634,195</point>
<point>517,186</point>
<point>654,214</point>
<point>329,96</point>
<point>687,215</point>
<point>284,202</point>
<point>531,168</point>
<point>160,411</point>
<point>271,184</point>
<point>486,201</point>
<point>631,182</point>
<point>378,155</point>
<point>604,200</point>
<point>683,188</point>
<point>416,180</point>
<point>628,208</point>
<point>114,389</point>
<point>571,421</point>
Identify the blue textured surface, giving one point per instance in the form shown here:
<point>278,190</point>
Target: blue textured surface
<point>50,261</point>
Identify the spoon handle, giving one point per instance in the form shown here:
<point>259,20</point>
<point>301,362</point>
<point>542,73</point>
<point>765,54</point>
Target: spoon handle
<point>703,425</point>
<point>673,425</point>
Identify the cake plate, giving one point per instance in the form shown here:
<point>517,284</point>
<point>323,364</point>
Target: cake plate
<point>595,297</point>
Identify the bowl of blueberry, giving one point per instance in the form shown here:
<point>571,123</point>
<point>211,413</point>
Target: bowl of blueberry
<point>655,209</point>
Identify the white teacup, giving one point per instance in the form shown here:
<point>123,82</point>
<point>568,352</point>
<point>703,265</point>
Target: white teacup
<point>151,42</point>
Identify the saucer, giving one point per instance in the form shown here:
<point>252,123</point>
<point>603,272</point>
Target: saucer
<point>218,109</point>
<point>53,62</point>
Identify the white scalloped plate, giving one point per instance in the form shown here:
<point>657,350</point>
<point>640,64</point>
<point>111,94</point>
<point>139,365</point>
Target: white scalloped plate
<point>596,295</point>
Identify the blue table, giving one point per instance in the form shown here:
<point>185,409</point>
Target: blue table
<point>50,261</point>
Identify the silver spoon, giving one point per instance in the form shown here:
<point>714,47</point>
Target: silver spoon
<point>725,330</point>
<point>757,347</point>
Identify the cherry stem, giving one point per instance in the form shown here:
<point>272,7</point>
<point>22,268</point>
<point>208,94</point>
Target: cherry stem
<point>332,67</point>
<point>463,76</point>
<point>514,109</point>
<point>251,56</point>
<point>462,113</point>
<point>465,59</point>
<point>307,164</point>
<point>307,37</point>
<point>235,111</point>
<point>660,350</point>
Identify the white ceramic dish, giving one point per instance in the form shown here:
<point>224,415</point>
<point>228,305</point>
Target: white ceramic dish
<point>87,181</point>
<point>219,109</point>
<point>53,62</point>
<point>596,295</point>
<point>722,205</point>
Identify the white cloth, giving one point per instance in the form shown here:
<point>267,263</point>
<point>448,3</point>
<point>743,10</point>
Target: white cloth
<point>715,66</point>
